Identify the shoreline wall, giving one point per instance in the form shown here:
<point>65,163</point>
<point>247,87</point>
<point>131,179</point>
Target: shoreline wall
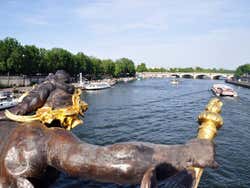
<point>242,84</point>
<point>9,81</point>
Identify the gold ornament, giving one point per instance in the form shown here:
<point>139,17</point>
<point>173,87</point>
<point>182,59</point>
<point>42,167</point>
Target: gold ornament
<point>210,121</point>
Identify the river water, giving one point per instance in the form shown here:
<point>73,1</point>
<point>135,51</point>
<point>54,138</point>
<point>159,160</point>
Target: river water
<point>153,110</point>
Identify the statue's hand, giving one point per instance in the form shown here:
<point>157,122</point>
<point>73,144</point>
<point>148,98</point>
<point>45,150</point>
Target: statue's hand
<point>201,153</point>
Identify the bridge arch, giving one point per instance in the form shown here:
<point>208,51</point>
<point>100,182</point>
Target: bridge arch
<point>218,77</point>
<point>189,76</point>
<point>175,75</point>
<point>203,76</point>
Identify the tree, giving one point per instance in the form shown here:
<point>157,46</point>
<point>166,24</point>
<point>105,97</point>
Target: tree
<point>124,67</point>
<point>82,63</point>
<point>59,58</point>
<point>43,63</point>
<point>108,67</point>
<point>31,59</point>
<point>28,59</point>
<point>15,61</point>
<point>141,68</point>
<point>160,69</point>
<point>97,66</point>
<point>11,53</point>
<point>243,69</point>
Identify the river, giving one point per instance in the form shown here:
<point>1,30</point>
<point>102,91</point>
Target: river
<point>153,110</point>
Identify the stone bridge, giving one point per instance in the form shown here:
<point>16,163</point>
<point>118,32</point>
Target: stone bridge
<point>191,75</point>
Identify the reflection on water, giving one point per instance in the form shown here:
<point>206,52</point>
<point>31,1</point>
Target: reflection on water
<point>155,111</point>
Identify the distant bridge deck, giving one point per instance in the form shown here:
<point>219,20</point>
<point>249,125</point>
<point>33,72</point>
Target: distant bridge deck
<point>192,75</point>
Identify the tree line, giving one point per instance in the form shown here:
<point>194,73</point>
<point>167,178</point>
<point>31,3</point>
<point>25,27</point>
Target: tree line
<point>143,68</point>
<point>17,59</point>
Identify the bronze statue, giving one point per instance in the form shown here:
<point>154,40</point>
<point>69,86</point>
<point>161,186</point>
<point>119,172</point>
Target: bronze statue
<point>30,149</point>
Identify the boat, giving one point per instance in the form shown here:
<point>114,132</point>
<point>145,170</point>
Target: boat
<point>223,90</point>
<point>7,100</point>
<point>174,81</point>
<point>97,86</point>
<point>138,78</point>
<point>112,82</point>
<point>83,82</point>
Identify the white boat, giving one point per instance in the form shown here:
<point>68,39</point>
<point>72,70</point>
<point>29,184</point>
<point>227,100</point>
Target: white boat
<point>97,86</point>
<point>83,82</point>
<point>174,81</point>
<point>223,90</point>
<point>7,100</point>
<point>138,78</point>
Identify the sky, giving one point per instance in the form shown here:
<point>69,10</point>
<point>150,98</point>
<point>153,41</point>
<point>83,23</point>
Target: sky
<point>160,33</point>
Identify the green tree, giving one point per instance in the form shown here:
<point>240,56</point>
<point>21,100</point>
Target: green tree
<point>31,59</point>
<point>43,63</point>
<point>243,69</point>
<point>97,66</point>
<point>124,67</point>
<point>160,69</point>
<point>82,63</point>
<point>28,59</point>
<point>15,61</point>
<point>11,53</point>
<point>59,58</point>
<point>108,67</point>
<point>141,68</point>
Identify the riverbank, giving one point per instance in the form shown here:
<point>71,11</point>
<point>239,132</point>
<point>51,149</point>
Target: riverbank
<point>17,89</point>
<point>238,83</point>
<point>111,81</point>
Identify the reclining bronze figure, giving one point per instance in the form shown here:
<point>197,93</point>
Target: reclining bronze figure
<point>30,149</point>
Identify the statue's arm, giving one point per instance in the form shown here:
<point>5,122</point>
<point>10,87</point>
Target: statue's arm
<point>38,96</point>
<point>35,99</point>
<point>121,163</point>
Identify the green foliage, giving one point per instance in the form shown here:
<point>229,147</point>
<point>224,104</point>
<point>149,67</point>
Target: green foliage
<point>124,67</point>
<point>157,69</point>
<point>11,53</point>
<point>108,67</point>
<point>58,58</point>
<point>82,63</point>
<point>243,69</point>
<point>141,68</point>
<point>29,60</point>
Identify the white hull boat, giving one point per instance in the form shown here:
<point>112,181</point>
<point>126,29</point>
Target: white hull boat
<point>7,100</point>
<point>174,81</point>
<point>97,86</point>
<point>223,90</point>
<point>4,104</point>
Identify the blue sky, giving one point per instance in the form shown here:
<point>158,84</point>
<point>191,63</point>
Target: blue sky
<point>167,33</point>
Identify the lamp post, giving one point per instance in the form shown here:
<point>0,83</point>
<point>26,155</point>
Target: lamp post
<point>210,121</point>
